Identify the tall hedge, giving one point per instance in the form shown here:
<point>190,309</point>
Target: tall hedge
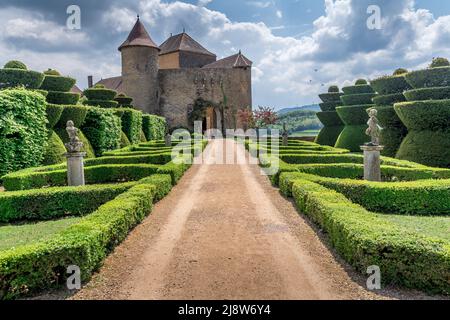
<point>154,127</point>
<point>99,96</point>
<point>391,90</point>
<point>353,113</point>
<point>426,114</point>
<point>16,74</point>
<point>103,129</point>
<point>131,123</point>
<point>333,125</point>
<point>23,129</point>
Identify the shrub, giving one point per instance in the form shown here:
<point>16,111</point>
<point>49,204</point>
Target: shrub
<point>124,141</point>
<point>428,147</point>
<point>154,127</point>
<point>422,115</point>
<point>87,147</point>
<point>103,130</point>
<point>439,62</point>
<point>354,115</point>
<point>57,202</point>
<point>358,89</point>
<point>429,78</point>
<point>423,94</point>
<point>55,150</point>
<point>102,104</point>
<point>14,64</point>
<point>63,98</point>
<point>330,119</point>
<point>76,113</point>
<point>11,78</point>
<point>389,99</point>
<point>23,130</point>
<point>99,86</point>
<point>352,138</point>
<point>363,239</point>
<point>54,113</point>
<point>58,83</point>
<point>360,82</point>
<point>52,72</point>
<point>390,85</point>
<point>357,99</point>
<point>333,89</point>
<point>131,124</point>
<point>331,97</point>
<point>123,100</point>
<point>400,71</point>
<point>142,137</point>
<point>329,135</point>
<point>329,106</point>
<point>100,94</point>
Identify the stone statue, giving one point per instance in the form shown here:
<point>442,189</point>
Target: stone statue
<point>374,129</point>
<point>74,145</point>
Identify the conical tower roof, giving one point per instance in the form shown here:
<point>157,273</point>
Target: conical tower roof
<point>139,37</point>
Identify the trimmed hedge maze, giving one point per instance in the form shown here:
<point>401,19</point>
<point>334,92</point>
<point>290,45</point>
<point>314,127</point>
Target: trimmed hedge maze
<point>356,100</point>
<point>47,226</point>
<point>333,125</point>
<point>400,225</point>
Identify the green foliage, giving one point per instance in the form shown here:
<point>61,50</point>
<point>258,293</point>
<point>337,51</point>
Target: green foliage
<point>124,141</point>
<point>423,94</point>
<point>389,99</point>
<point>429,78</point>
<point>329,135</point>
<point>154,127</point>
<point>57,202</point>
<point>428,147</point>
<point>131,123</point>
<point>360,82</point>
<point>58,83</point>
<point>11,78</point>
<point>330,119</point>
<point>14,64</point>
<point>390,84</point>
<point>52,72</point>
<point>423,115</point>
<point>333,89</point>
<point>358,89</point>
<point>103,129</point>
<point>99,86</point>
<point>352,138</point>
<point>331,97</point>
<point>54,113</point>
<point>329,106</point>
<point>62,133</point>
<point>23,130</point>
<point>55,150</point>
<point>354,115</point>
<point>439,62</point>
<point>391,139</point>
<point>400,71</point>
<point>100,94</point>
<point>102,103</point>
<point>388,117</point>
<point>142,137</point>
<point>63,98</point>
<point>123,100</point>
<point>357,99</point>
<point>76,113</point>
<point>296,121</point>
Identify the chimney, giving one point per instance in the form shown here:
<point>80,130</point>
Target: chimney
<point>90,81</point>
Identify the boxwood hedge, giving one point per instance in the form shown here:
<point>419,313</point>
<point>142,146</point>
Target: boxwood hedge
<point>11,78</point>
<point>358,89</point>
<point>63,98</point>
<point>330,97</point>
<point>76,113</point>
<point>57,83</point>
<point>357,99</point>
<point>429,78</point>
<point>131,123</point>
<point>390,85</point>
<point>99,94</point>
<point>354,115</point>
<point>87,147</point>
<point>423,115</point>
<point>154,127</point>
<point>55,150</point>
<point>442,93</point>
<point>54,113</point>
<point>102,103</point>
<point>329,135</point>
<point>389,99</point>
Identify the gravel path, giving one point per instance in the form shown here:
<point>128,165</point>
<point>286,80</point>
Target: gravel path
<point>225,233</point>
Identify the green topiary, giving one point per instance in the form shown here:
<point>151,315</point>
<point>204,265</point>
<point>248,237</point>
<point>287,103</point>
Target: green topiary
<point>14,64</point>
<point>99,86</point>
<point>76,113</point>
<point>99,94</point>
<point>354,115</point>
<point>424,115</point>
<point>329,135</point>
<point>51,72</point>
<point>54,113</point>
<point>389,99</point>
<point>11,78</point>
<point>58,83</point>
<point>63,98</point>
<point>62,133</point>
<point>123,100</point>
<point>23,129</point>
<point>400,71</point>
<point>429,78</point>
<point>107,104</point>
<point>103,129</point>
<point>131,123</point>
<point>142,137</point>
<point>55,150</point>
<point>124,141</point>
<point>333,89</point>
<point>428,94</point>
<point>330,119</point>
<point>359,89</point>
<point>360,82</point>
<point>439,62</point>
<point>357,99</point>
<point>390,85</point>
<point>352,138</point>
<point>154,127</point>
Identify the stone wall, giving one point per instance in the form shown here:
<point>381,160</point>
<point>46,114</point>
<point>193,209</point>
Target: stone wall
<point>195,60</point>
<point>169,61</point>
<point>180,88</point>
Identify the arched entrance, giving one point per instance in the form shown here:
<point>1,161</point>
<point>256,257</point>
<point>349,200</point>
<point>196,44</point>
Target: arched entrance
<point>212,119</point>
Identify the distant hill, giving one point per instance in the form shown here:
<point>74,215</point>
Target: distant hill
<point>312,107</point>
<point>298,120</point>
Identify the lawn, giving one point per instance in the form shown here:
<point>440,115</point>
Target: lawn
<point>436,227</point>
<point>14,235</point>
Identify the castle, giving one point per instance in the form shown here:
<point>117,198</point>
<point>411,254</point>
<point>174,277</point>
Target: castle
<point>179,76</point>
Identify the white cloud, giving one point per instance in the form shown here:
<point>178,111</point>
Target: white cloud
<point>279,14</point>
<point>260,4</point>
<point>203,3</point>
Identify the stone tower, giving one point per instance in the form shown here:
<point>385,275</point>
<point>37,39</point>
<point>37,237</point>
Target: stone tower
<point>140,64</point>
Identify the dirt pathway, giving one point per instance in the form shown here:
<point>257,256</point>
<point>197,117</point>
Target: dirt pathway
<point>223,233</point>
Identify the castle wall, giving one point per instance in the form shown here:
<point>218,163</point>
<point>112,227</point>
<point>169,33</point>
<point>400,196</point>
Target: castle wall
<point>195,60</point>
<point>169,61</point>
<point>180,88</point>
<point>140,77</point>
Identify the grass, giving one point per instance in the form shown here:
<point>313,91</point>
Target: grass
<point>435,227</point>
<point>306,133</point>
<point>14,235</point>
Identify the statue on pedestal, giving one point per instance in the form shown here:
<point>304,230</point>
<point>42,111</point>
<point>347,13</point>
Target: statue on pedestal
<point>374,129</point>
<point>74,145</point>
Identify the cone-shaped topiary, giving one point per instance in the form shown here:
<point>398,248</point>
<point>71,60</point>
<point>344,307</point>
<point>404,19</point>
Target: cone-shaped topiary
<point>55,150</point>
<point>333,125</point>
<point>16,74</point>
<point>99,96</point>
<point>391,90</point>
<point>123,100</point>
<point>355,101</point>
<point>426,114</point>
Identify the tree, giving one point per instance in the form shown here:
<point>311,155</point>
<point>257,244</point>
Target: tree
<point>260,118</point>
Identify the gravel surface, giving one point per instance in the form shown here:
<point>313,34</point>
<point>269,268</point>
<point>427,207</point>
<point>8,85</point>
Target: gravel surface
<point>225,233</point>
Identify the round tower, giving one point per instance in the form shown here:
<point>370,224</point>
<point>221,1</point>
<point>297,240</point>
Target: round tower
<point>140,65</point>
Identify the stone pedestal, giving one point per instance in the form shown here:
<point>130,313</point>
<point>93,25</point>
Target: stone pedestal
<point>372,162</point>
<point>75,169</point>
<point>168,140</point>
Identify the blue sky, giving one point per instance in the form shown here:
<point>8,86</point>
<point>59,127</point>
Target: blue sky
<point>299,47</point>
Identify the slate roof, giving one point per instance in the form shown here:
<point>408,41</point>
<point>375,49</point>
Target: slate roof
<point>75,89</point>
<point>234,61</point>
<point>114,83</point>
<point>138,37</point>
<point>183,42</point>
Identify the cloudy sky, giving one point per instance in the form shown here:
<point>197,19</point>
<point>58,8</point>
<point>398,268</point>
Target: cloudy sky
<point>299,47</point>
